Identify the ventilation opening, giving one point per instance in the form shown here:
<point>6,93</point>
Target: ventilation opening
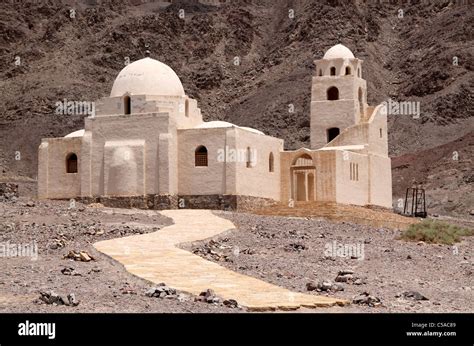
<point>333,94</point>
<point>249,157</point>
<point>271,163</point>
<point>380,130</point>
<point>361,103</point>
<point>127,104</point>
<point>320,72</point>
<point>71,163</point>
<point>333,71</point>
<point>332,133</point>
<point>200,157</point>
<point>186,108</point>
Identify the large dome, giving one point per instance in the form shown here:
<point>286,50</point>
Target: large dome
<point>147,77</point>
<point>337,52</point>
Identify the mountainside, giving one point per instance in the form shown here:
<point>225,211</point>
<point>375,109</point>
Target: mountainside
<point>424,54</point>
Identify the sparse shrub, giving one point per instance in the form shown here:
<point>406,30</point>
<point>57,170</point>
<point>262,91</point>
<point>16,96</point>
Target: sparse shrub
<point>437,232</point>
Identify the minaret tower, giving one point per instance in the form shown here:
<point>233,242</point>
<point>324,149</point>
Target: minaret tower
<point>338,95</point>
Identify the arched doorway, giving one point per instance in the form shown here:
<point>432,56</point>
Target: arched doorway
<point>303,179</point>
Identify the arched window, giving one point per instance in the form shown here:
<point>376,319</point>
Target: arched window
<point>332,133</point>
<point>333,93</point>
<point>348,70</point>
<point>249,157</point>
<point>358,72</point>
<point>271,167</point>
<point>200,156</point>
<point>71,163</point>
<point>333,71</point>
<point>127,105</point>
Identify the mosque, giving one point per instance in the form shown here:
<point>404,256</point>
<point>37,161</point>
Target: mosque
<point>147,146</point>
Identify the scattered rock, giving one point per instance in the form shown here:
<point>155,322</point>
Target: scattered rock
<point>161,291</point>
<point>344,278</point>
<point>231,303</point>
<point>72,299</point>
<point>346,272</point>
<point>70,271</point>
<point>208,296</point>
<point>324,286</point>
<point>295,247</point>
<point>414,295</point>
<point>53,298</point>
<point>366,299</point>
<point>79,256</point>
<point>30,204</point>
<point>128,290</point>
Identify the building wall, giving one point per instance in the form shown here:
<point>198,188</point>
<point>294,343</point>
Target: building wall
<point>380,181</point>
<point>355,190</point>
<point>157,130</point>
<point>53,179</point>
<point>227,171</point>
<point>124,168</point>
<point>218,177</point>
<point>257,180</point>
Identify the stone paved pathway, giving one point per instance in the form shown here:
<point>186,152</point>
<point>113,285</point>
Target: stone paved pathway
<point>156,257</point>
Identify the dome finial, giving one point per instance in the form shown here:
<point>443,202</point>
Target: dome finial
<point>147,51</point>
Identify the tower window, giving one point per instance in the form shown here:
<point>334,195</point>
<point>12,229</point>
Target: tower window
<point>332,133</point>
<point>71,163</point>
<point>320,72</point>
<point>200,156</point>
<point>361,101</point>
<point>333,94</point>
<point>333,71</point>
<point>271,167</point>
<point>127,105</point>
<point>348,70</point>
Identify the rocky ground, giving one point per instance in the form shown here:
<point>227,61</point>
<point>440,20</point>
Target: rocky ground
<point>69,275</point>
<point>69,270</point>
<point>387,275</point>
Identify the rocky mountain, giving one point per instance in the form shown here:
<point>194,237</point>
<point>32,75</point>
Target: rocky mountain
<point>250,63</point>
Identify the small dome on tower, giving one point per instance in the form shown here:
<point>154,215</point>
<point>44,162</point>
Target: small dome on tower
<point>337,52</point>
<point>147,77</point>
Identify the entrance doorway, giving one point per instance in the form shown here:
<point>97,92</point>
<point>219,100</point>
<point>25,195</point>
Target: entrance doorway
<point>303,179</point>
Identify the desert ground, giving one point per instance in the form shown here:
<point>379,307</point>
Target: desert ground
<point>397,275</point>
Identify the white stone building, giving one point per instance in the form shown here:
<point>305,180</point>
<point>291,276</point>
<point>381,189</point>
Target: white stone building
<point>147,146</point>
